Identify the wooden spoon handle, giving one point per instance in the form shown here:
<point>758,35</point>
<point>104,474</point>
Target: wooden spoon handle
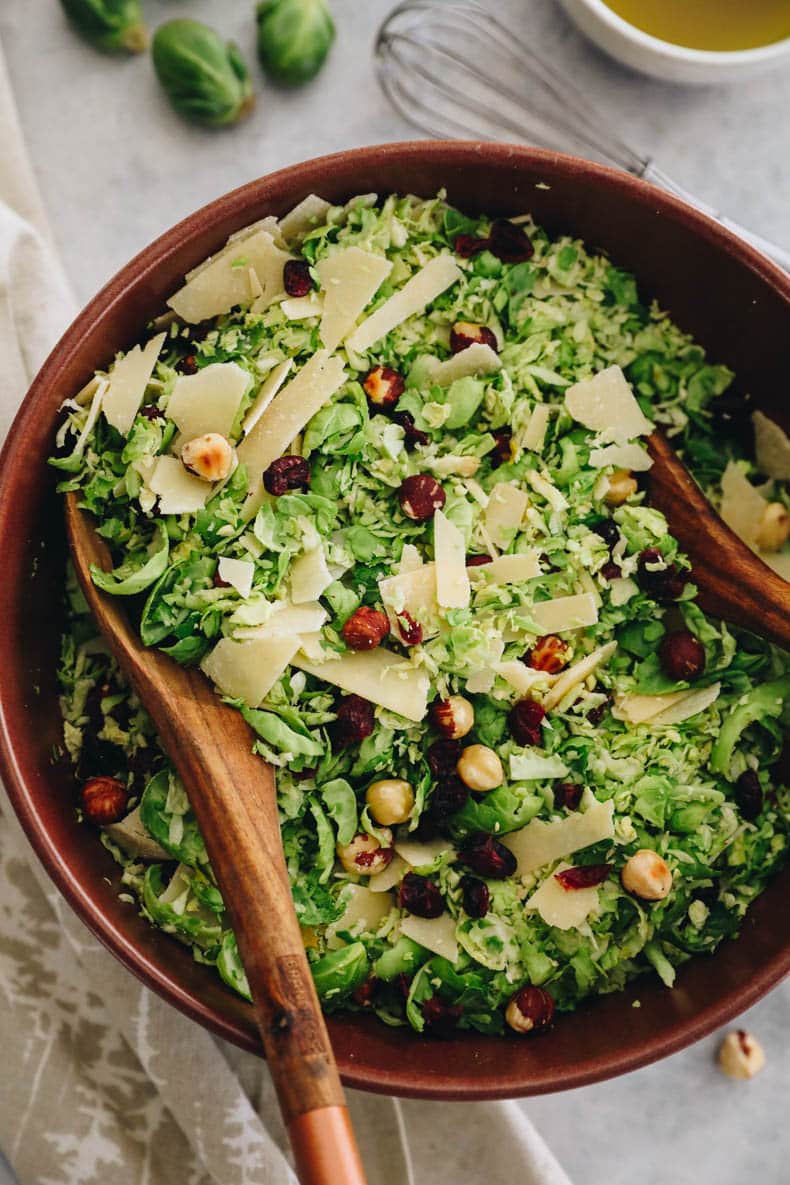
<point>734,583</point>
<point>232,793</point>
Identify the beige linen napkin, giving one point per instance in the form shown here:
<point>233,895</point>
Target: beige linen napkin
<point>101,1080</point>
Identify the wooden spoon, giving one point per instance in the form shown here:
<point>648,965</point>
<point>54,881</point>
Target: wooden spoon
<point>232,793</point>
<point>734,583</point>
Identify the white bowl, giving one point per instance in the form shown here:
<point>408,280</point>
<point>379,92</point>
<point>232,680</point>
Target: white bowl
<point>662,59</point>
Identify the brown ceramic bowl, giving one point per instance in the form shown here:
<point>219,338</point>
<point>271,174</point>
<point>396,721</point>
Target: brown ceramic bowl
<point>734,302</point>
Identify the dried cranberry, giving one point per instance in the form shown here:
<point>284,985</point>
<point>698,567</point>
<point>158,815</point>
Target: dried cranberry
<point>665,585</point>
<point>476,896</point>
<point>749,794</point>
<point>104,800</point>
<point>501,454</point>
<point>568,795</point>
<point>487,856</point>
<point>355,721</point>
<point>509,242</point>
<point>682,656</point>
<point>297,280</point>
<point>608,530</point>
<point>611,571</point>
<point>420,496</point>
<point>596,714</point>
<point>287,473</point>
<point>151,412</point>
<point>420,896</point>
<point>218,582</point>
<point>583,877</point>
<point>549,654</point>
<point>525,722</point>
<point>447,798</point>
<point>366,628</point>
<point>469,245</point>
<point>413,435</point>
<point>365,992</point>
<point>442,758</point>
<point>468,333</point>
<point>187,364</point>
<point>383,387</point>
<point>477,561</point>
<point>410,630</point>
<point>440,1017</point>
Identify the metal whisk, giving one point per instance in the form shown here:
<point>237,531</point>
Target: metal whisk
<point>455,71</point>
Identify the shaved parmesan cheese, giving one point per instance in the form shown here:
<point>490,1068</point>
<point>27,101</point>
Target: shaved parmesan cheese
<point>771,447</point>
<point>377,675</point>
<point>224,280</point>
<point>287,414</point>
<point>418,292</point>
<point>248,670</point>
<point>605,404</point>
<point>269,224</point>
<point>693,702</point>
<point>274,380</point>
<point>349,280</point>
<point>565,613</point>
<point>179,492</point>
<point>385,880</point>
<point>534,434</point>
<point>421,853</point>
<point>477,359</point>
<point>364,911</point>
<point>93,414</point>
<point>567,909</point>
<point>128,380</point>
<point>541,843</point>
<point>310,576</point>
<point>435,934</point>
<point>305,216</point>
<point>623,456</point>
<point>454,466</point>
<point>412,592</point>
<point>742,507</point>
<point>577,674</point>
<point>636,709</point>
<point>504,512</point>
<point>531,767</point>
<point>287,621</point>
<point>410,560</point>
<point>452,581</point>
<point>521,678</point>
<point>541,485</point>
<point>131,835</point>
<point>508,569</point>
<point>298,308</point>
<point>238,573</point>
<point>209,400</point>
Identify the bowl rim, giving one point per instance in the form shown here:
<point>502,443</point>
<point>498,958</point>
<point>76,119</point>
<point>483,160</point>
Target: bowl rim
<point>395,1079</point>
<point>657,46</point>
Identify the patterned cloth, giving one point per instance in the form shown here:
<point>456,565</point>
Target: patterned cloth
<point>101,1080</point>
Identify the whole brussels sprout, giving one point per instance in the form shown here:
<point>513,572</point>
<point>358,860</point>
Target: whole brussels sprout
<point>205,79</point>
<point>294,37</point>
<point>113,26</point>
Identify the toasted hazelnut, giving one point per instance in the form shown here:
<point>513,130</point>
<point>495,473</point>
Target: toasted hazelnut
<point>383,387</point>
<point>366,628</point>
<point>774,528</point>
<point>530,1010</point>
<point>549,654</point>
<point>420,496</point>
<point>104,800</point>
<point>390,800</point>
<point>466,333</point>
<point>365,855</point>
<point>453,717</point>
<point>480,769</point>
<point>646,875</point>
<point>209,457</point>
<point>741,1055</point>
<point>622,484</point>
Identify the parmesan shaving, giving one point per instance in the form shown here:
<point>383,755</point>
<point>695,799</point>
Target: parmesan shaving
<point>577,674</point>
<point>209,400</point>
<point>127,381</point>
<point>606,404</point>
<point>435,934</point>
<point>477,359</point>
<point>223,281</point>
<point>248,670</point>
<point>349,280</point>
<point>566,909</point>
<point>541,842</point>
<point>431,281</point>
<point>377,675</point>
<point>452,581</point>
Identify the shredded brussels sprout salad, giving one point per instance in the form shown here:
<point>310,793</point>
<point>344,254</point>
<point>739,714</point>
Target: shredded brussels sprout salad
<point>381,470</point>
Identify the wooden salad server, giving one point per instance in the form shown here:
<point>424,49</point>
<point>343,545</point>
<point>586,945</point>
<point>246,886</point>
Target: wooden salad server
<point>734,583</point>
<point>232,793</point>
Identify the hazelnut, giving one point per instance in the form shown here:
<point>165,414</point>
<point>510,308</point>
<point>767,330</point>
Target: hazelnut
<point>366,628</point>
<point>549,654</point>
<point>466,333</point>
<point>453,717</point>
<point>209,457</point>
<point>365,856</point>
<point>774,528</point>
<point>741,1055</point>
<point>383,387</point>
<point>530,1011</point>
<point>647,875</point>
<point>480,769</point>
<point>104,800</point>
<point>420,496</point>
<point>682,656</point>
<point>390,800</point>
<point>622,484</point>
